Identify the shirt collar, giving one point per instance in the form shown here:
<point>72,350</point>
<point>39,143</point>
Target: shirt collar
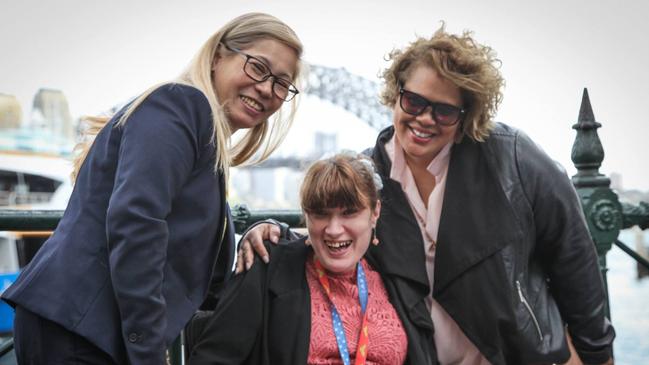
<point>395,152</point>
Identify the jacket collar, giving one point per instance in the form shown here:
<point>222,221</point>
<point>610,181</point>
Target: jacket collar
<point>402,253</point>
<point>474,203</point>
<point>477,218</point>
<point>288,267</point>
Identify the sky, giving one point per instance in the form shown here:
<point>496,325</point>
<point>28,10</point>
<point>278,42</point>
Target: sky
<point>101,53</point>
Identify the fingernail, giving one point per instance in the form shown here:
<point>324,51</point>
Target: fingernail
<point>248,265</point>
<point>265,259</point>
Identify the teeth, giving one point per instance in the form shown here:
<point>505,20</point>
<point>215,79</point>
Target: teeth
<point>421,134</point>
<point>251,103</point>
<point>338,244</point>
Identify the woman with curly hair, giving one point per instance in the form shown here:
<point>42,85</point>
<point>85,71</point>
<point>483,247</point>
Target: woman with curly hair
<point>507,259</point>
<point>484,231</point>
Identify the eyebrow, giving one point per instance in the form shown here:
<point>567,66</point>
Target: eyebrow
<point>268,63</point>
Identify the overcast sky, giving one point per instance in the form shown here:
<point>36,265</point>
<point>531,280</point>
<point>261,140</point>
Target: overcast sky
<point>100,53</point>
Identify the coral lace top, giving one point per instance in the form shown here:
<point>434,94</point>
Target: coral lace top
<point>387,339</point>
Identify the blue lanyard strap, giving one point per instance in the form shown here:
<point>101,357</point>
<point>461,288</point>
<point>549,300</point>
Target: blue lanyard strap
<point>339,332</point>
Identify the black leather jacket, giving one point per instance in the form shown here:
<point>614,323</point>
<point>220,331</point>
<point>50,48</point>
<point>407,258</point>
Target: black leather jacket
<point>514,263</point>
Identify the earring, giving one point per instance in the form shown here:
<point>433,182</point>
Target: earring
<point>375,240</point>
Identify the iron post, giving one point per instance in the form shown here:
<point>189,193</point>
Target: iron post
<point>601,206</point>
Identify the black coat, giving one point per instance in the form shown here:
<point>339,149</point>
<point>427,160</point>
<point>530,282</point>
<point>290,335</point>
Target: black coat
<point>514,257</point>
<point>264,316</point>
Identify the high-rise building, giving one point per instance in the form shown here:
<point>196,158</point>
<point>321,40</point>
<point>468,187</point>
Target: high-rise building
<point>50,112</point>
<point>10,112</point>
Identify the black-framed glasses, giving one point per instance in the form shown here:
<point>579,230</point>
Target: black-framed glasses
<point>259,71</point>
<point>442,113</point>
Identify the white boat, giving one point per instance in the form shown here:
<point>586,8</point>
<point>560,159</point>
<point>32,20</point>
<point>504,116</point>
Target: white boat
<point>34,180</point>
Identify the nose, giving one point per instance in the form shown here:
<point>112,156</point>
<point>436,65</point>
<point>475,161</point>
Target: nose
<point>334,227</point>
<point>426,117</point>
<point>265,87</point>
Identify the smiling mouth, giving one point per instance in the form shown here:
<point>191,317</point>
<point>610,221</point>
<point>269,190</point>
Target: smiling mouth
<point>337,245</point>
<point>421,134</point>
<point>252,103</point>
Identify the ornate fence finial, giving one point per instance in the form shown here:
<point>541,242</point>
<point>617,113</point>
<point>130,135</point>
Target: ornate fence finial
<point>602,208</point>
<point>586,111</point>
<point>587,151</point>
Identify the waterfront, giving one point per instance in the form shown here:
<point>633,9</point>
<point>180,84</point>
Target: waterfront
<point>629,299</point>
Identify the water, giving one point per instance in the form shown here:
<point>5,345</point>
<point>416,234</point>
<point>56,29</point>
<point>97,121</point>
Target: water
<point>629,299</point>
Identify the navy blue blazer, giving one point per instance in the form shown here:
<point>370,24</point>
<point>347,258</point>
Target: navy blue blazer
<point>132,257</point>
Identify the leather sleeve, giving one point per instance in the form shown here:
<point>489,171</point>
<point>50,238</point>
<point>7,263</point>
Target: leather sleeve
<point>160,144</point>
<point>564,245</point>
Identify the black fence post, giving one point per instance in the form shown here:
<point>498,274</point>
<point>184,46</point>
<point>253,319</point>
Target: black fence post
<point>602,208</point>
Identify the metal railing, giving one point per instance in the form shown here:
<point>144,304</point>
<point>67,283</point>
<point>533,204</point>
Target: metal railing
<point>605,214</point>
<point>47,220</point>
<point>6,347</point>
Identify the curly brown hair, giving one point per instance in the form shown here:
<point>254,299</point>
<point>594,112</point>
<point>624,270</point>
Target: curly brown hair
<point>472,67</point>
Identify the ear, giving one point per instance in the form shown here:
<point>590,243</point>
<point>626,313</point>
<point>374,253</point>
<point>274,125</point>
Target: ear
<point>217,57</point>
<point>376,213</point>
<point>306,222</point>
<point>215,61</point>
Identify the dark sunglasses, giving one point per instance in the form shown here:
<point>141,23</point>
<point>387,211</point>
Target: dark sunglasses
<point>259,71</point>
<point>415,104</point>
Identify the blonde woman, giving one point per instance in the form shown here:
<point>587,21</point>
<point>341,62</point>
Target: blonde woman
<point>132,257</point>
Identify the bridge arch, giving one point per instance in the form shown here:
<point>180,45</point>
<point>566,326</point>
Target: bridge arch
<point>353,93</point>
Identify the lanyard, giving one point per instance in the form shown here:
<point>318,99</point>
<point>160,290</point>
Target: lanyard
<point>341,340</point>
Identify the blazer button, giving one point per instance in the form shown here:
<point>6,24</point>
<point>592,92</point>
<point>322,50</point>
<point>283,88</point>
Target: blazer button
<point>132,337</point>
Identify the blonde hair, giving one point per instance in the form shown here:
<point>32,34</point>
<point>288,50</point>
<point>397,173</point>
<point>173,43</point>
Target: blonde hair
<point>239,33</point>
<point>472,67</point>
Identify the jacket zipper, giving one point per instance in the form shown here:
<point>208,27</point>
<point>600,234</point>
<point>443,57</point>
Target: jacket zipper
<point>529,309</point>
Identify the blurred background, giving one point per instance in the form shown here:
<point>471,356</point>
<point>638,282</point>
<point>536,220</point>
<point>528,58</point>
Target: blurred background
<point>61,60</point>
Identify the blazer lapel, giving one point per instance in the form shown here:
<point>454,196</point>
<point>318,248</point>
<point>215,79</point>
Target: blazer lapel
<point>477,219</point>
<point>401,251</point>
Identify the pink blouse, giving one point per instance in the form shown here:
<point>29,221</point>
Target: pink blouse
<point>387,339</point>
<point>453,347</point>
